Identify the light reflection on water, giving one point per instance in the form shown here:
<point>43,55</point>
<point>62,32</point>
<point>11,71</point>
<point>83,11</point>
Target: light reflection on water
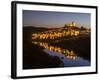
<point>69,57</point>
<point>68,53</point>
<point>67,62</point>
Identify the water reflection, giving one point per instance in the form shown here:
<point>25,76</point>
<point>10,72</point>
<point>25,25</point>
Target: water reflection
<point>66,62</point>
<point>70,54</point>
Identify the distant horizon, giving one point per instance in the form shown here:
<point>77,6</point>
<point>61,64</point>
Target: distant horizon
<point>49,19</point>
<point>52,27</point>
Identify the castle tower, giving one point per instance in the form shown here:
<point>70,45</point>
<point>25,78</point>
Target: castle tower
<point>73,24</point>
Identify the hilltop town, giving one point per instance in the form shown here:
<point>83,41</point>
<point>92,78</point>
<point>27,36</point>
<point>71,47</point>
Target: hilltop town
<point>70,29</point>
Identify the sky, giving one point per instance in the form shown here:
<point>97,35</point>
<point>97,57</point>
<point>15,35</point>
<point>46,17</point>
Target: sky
<point>54,19</point>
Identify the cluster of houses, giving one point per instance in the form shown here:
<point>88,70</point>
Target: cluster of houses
<point>55,34</point>
<point>67,30</point>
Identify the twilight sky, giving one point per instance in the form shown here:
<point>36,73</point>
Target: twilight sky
<point>54,19</point>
